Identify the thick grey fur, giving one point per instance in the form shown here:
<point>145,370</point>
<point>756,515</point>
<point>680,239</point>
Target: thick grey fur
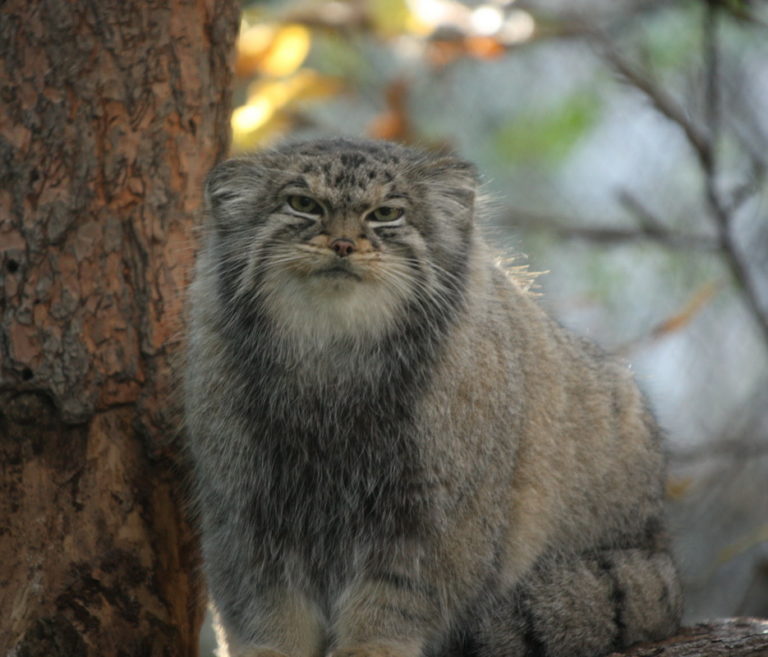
<point>396,452</point>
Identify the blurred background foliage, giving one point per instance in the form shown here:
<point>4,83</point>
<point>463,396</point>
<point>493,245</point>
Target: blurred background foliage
<point>624,147</point>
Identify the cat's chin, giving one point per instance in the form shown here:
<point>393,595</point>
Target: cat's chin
<point>333,303</point>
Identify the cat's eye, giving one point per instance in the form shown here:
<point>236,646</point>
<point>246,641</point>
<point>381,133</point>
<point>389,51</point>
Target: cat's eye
<point>304,204</point>
<point>386,214</point>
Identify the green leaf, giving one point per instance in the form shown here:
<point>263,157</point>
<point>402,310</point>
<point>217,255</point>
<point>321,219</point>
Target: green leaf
<point>547,137</point>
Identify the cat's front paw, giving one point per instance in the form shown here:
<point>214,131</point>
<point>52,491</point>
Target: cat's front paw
<point>373,650</point>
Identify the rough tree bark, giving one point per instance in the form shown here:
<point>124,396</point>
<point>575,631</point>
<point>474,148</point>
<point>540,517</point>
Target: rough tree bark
<point>111,113</point>
<point>733,637</point>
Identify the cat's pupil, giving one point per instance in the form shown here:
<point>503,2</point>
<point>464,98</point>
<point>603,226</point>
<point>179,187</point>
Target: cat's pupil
<point>304,204</point>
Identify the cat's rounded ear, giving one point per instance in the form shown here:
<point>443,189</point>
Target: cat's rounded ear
<point>453,184</point>
<point>450,167</point>
<point>231,187</point>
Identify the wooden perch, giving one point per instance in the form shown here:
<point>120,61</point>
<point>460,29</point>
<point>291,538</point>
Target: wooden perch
<point>731,637</point>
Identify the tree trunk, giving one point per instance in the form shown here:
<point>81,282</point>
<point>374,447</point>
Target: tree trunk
<point>111,113</point>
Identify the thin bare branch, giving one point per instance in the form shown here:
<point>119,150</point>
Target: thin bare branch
<point>711,56</point>
<point>742,450</point>
<point>747,189</point>
<point>563,227</point>
<point>734,258</point>
<point>647,219</point>
<point>661,101</point>
<point>703,141</point>
<point>678,320</point>
<point>720,209</point>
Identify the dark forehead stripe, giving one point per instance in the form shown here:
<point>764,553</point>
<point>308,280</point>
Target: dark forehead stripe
<point>350,176</point>
<point>352,159</point>
<point>339,171</point>
<point>348,168</point>
<point>352,152</point>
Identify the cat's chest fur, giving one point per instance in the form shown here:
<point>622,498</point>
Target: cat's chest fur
<point>336,455</point>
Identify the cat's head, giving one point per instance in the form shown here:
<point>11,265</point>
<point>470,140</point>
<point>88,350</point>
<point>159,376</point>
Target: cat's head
<point>337,237</point>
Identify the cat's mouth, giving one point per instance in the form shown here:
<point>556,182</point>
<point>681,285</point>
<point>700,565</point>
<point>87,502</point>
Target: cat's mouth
<point>338,271</point>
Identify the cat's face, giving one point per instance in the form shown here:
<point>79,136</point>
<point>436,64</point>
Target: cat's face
<point>337,240</point>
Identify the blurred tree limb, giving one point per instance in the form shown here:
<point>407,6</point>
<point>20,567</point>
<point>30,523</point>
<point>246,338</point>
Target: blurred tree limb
<point>703,140</point>
<point>703,135</point>
<point>609,234</point>
<point>744,449</point>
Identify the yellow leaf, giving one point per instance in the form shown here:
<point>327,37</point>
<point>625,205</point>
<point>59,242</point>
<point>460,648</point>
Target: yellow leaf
<point>678,488</point>
<point>289,50</point>
<point>306,84</point>
<point>390,17</point>
<point>276,126</point>
<point>246,119</point>
<point>756,537</point>
<point>252,44</point>
<point>701,297</point>
<point>273,50</point>
<point>268,100</point>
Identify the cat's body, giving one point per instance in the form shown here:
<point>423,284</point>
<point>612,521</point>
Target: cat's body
<point>396,452</point>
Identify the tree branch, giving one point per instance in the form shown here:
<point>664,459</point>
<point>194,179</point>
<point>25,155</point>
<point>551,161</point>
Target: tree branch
<point>661,101</point>
<point>704,143</point>
<point>745,449</point>
<point>733,637</point>
<point>719,208</point>
<point>563,227</point>
<point>647,219</point>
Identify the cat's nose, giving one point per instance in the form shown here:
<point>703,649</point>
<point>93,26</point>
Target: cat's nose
<point>343,246</point>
